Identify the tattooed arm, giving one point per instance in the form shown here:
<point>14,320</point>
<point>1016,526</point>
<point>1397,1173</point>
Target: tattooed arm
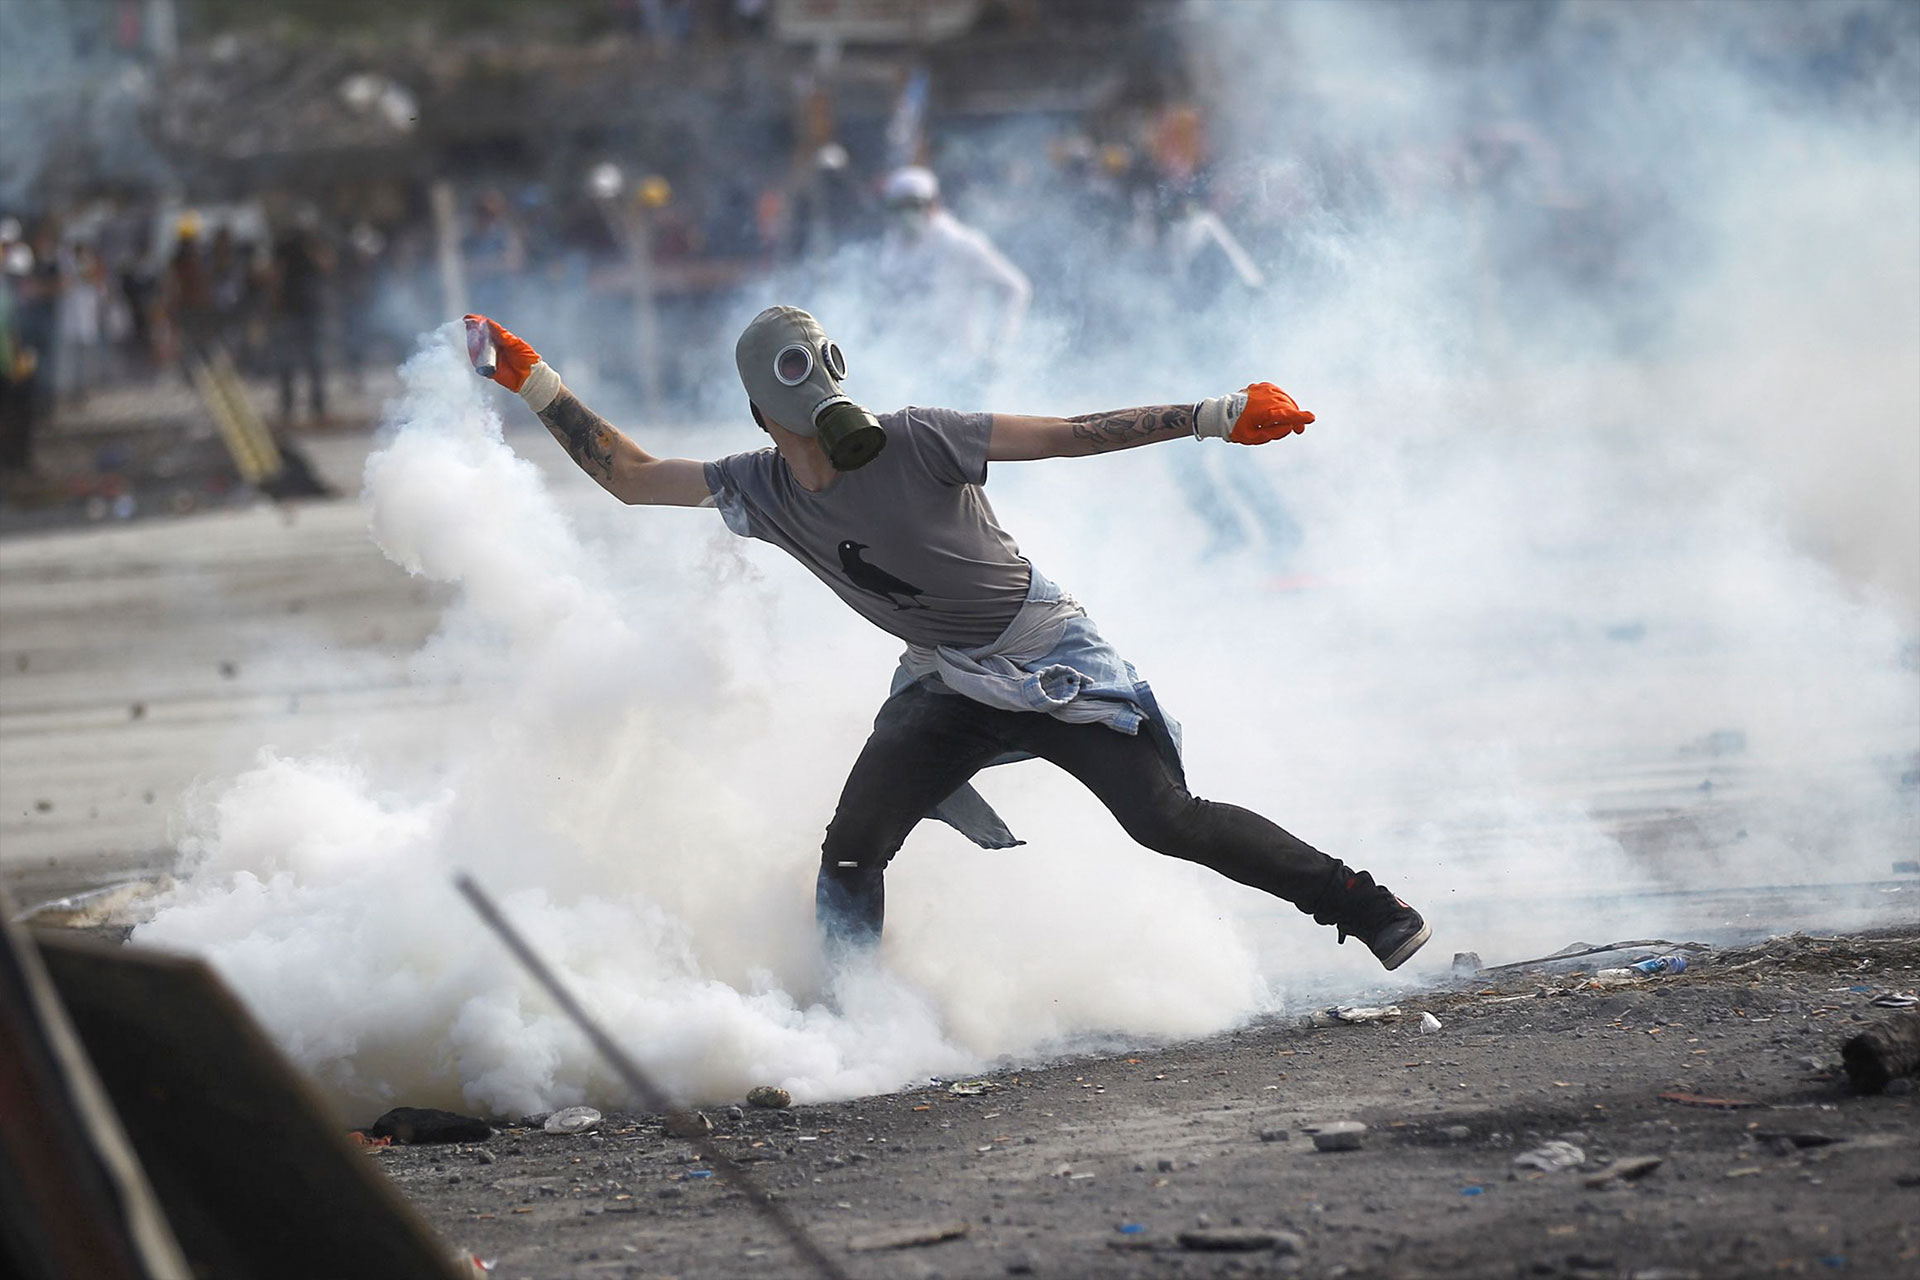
<point>1261,413</point>
<point>616,463</point>
<point>1017,438</point>
<point>620,466</point>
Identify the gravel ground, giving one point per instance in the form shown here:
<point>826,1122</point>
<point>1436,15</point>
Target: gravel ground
<point>1099,1165</point>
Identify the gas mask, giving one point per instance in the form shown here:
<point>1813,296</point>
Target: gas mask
<point>792,373</point>
<point>912,218</point>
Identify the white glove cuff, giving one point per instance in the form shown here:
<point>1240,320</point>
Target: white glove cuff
<point>541,386</point>
<point>1214,417</point>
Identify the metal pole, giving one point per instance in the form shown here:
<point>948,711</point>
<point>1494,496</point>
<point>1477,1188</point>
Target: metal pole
<point>680,1122</point>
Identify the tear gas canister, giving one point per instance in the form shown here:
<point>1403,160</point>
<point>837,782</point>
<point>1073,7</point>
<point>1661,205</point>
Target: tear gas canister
<point>480,347</point>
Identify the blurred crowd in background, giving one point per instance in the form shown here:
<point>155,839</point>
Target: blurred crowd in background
<point>303,188</point>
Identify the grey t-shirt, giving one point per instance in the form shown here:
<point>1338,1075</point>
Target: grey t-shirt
<point>909,540</point>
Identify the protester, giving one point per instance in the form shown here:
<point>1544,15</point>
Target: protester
<point>1201,258</point>
<point>302,263</point>
<point>82,324</point>
<point>16,359</point>
<point>1000,663</point>
<point>187,291</point>
<point>954,297</point>
<point>33,287</point>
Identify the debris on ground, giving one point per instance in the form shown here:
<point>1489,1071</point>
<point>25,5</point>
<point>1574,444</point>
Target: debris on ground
<point>907,1237</point>
<point>1239,1240</point>
<point>1639,969</point>
<point>1717,1104</point>
<point>769,1096</point>
<point>419,1126</point>
<point>1347,1015</point>
<point>1337,1135</point>
<point>1551,1157</point>
<point>1883,1053</point>
<point>1786,1143</point>
<point>1579,950</point>
<point>1428,1024</point>
<point>970,1088</point>
<point>572,1120</point>
<point>688,1124</point>
<point>1525,1059</point>
<point>1625,1169</point>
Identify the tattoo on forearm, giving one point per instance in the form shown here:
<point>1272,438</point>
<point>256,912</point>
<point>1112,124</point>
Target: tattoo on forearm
<point>583,433</point>
<point>1124,428</point>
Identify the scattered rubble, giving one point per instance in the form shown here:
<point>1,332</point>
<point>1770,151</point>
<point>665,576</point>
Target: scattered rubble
<point>1625,1169</point>
<point>769,1096</point>
<point>411,1126</point>
<point>1345,1015</point>
<point>569,1120</point>
<point>1883,1052</point>
<point>1189,1125</point>
<point>1551,1157</point>
<point>907,1237</point>
<point>1716,1104</point>
<point>1239,1240</point>
<point>1337,1135</point>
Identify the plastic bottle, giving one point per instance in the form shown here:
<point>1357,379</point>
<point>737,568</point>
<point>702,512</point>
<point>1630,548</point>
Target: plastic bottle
<point>1643,969</point>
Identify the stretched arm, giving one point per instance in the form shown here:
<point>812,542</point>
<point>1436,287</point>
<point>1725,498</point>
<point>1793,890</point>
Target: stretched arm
<point>602,450</point>
<point>1261,413</point>
<point>617,464</point>
<point>1018,438</point>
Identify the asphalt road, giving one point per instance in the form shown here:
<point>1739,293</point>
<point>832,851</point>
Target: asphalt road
<point>137,658</point>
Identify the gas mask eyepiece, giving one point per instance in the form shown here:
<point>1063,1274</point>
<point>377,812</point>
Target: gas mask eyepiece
<point>792,372</point>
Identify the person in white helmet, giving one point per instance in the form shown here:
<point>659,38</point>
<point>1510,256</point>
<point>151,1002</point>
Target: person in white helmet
<point>954,298</point>
<point>890,513</point>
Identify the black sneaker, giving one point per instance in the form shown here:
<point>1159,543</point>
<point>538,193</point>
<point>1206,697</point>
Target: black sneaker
<point>1392,930</point>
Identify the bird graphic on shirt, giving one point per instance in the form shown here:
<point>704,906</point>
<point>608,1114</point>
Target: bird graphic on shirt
<point>874,580</point>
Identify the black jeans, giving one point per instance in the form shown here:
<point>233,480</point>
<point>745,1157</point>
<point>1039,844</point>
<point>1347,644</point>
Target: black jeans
<point>927,742</point>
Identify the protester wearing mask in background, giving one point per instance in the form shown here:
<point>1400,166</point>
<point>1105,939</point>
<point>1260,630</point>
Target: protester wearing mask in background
<point>953,297</point>
<point>1001,664</point>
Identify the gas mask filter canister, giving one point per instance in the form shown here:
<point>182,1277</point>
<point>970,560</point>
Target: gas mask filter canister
<point>792,374</point>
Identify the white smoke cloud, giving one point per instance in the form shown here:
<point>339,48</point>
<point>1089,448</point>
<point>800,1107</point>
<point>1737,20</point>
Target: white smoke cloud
<point>1606,582</point>
<point>650,816</point>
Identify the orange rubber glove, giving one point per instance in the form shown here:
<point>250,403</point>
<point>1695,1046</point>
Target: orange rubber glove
<point>517,366</point>
<point>1256,415</point>
<point>1270,414</point>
